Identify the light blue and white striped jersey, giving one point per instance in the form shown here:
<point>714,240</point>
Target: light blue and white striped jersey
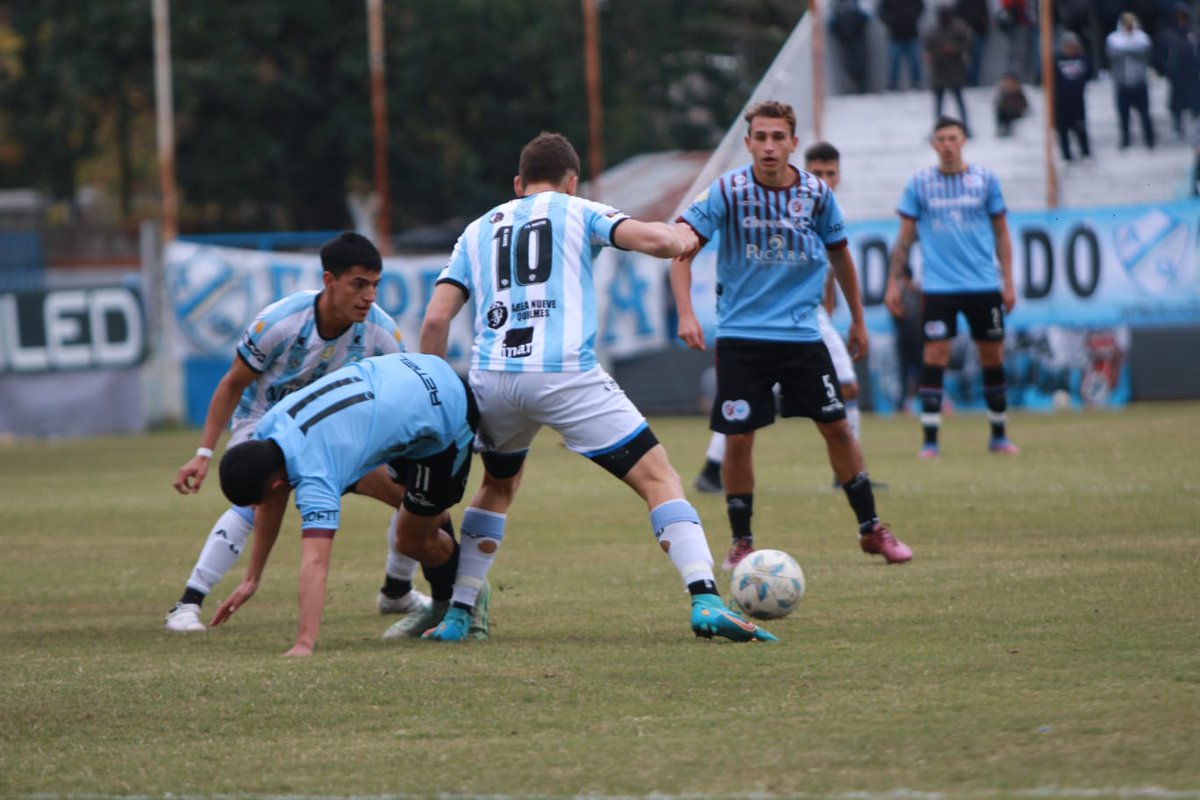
<point>284,347</point>
<point>526,266</point>
<point>772,252</point>
<point>336,430</point>
<point>954,228</point>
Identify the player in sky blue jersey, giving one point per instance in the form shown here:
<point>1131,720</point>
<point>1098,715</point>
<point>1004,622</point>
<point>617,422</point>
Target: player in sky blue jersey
<point>410,412</point>
<point>780,230</point>
<point>526,268</point>
<point>290,344</point>
<point>958,213</point>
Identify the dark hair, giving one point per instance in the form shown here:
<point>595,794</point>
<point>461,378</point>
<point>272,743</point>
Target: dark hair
<point>245,469</point>
<point>772,109</point>
<point>822,151</point>
<point>348,250</point>
<point>948,122</point>
<point>548,158</point>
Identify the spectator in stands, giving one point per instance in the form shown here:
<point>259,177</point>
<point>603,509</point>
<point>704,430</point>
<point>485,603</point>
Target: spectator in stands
<point>1017,20</point>
<point>977,15</point>
<point>1108,16</point>
<point>1181,65</point>
<point>948,51</point>
<point>848,25</point>
<point>901,18</point>
<point>1077,17</point>
<point>1072,71</point>
<point>1011,104</point>
<point>1129,52</point>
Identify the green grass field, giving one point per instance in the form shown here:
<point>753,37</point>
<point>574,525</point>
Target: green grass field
<point>1045,641</point>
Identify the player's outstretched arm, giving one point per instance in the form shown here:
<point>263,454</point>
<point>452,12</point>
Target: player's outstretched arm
<point>447,300</point>
<point>315,548</point>
<point>656,239</point>
<point>225,398</point>
<point>268,516</point>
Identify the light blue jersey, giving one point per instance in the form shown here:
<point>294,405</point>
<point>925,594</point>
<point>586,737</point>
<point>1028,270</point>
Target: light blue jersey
<point>954,227</point>
<point>772,253</point>
<point>339,428</point>
<point>526,266</point>
<point>283,346</point>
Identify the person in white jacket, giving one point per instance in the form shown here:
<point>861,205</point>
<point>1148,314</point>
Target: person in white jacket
<point>1129,51</point>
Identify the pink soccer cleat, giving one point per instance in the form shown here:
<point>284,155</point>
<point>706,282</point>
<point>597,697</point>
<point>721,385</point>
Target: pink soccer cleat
<point>1003,447</point>
<point>741,548</point>
<point>879,541</point>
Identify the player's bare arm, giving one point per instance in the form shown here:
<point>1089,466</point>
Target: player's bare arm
<point>896,262</point>
<point>224,400</point>
<point>690,330</point>
<point>315,547</point>
<point>447,300</point>
<point>847,277</point>
<point>268,516</point>
<point>656,239</point>
<point>1004,255</point>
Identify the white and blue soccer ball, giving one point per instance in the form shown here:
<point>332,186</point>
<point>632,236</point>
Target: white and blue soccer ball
<point>767,584</point>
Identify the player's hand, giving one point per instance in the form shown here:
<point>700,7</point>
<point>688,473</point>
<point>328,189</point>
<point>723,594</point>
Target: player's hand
<point>299,650</point>
<point>231,604</point>
<point>891,299</point>
<point>691,242</point>
<point>690,332</point>
<point>1009,295</point>
<point>856,341</point>
<point>191,475</point>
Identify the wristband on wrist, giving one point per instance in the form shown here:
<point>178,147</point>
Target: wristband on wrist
<point>204,451</point>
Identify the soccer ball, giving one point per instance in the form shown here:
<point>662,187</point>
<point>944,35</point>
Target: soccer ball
<point>767,584</point>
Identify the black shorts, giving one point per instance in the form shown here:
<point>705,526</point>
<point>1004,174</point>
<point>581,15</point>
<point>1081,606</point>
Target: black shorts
<point>437,482</point>
<point>984,312</point>
<point>747,371</point>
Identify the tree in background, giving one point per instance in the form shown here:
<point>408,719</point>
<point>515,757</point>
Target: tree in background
<point>273,114</point>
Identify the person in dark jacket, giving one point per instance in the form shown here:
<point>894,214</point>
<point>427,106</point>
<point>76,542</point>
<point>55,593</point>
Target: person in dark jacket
<point>948,52</point>
<point>1011,104</point>
<point>1181,65</point>
<point>848,26</point>
<point>901,17</point>
<point>1072,71</point>
<point>977,15</point>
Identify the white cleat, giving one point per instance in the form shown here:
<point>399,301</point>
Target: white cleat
<point>404,604</point>
<point>413,625</point>
<point>184,618</point>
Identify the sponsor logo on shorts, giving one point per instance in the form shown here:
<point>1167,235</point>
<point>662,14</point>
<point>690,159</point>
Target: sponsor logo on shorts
<point>418,499</point>
<point>735,410</point>
<point>321,516</point>
<point>936,329</point>
<point>836,405</point>
<point>497,315</point>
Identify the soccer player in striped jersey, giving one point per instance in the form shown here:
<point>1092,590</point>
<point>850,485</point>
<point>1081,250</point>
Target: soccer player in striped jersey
<point>290,344</point>
<point>823,160</point>
<point>526,268</point>
<point>957,211</point>
<point>780,230</point>
<point>411,413</point>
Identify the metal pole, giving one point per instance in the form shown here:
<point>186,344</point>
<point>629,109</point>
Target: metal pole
<point>818,69</point>
<point>591,46</point>
<point>383,236</point>
<point>1048,127</point>
<point>165,117</point>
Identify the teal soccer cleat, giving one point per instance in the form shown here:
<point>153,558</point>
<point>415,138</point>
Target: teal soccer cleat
<point>452,628</point>
<point>710,617</point>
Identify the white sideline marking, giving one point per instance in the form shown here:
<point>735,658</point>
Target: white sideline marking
<point>1049,792</point>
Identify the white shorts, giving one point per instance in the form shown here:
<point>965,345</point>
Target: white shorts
<point>842,364</point>
<point>588,409</point>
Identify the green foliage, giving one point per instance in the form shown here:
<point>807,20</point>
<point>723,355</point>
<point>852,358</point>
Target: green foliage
<point>1043,639</point>
<point>272,105</point>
